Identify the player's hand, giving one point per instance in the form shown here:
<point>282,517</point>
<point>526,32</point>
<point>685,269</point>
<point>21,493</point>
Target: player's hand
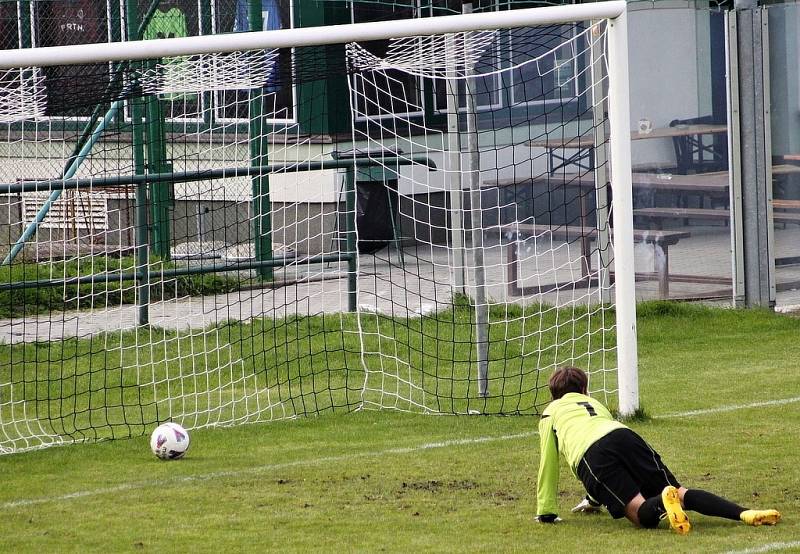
<point>587,507</point>
<point>548,518</point>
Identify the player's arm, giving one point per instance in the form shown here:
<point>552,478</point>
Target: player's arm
<point>547,482</point>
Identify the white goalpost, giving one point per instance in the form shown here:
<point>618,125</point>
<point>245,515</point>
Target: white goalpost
<point>224,229</point>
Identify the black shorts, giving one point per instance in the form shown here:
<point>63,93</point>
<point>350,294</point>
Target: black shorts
<point>621,465</point>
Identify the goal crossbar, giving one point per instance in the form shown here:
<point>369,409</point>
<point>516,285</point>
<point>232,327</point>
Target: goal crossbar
<point>310,36</point>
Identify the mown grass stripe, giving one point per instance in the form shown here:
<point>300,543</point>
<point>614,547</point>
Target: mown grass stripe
<point>336,459</point>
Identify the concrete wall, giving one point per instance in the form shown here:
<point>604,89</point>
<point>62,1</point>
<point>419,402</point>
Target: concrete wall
<point>10,226</point>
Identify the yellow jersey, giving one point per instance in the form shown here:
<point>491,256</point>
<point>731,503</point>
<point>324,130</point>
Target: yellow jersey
<point>569,425</point>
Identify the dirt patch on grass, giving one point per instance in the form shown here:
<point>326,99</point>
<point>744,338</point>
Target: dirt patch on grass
<point>437,486</point>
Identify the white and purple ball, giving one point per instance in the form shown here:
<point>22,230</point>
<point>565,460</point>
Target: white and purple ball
<point>169,441</point>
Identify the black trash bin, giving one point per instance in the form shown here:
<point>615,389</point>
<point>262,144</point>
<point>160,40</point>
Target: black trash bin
<point>376,201</point>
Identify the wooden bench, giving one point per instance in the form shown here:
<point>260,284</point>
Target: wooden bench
<point>659,214</point>
<point>713,186</point>
<point>786,204</point>
<point>661,241</point>
<point>711,183</point>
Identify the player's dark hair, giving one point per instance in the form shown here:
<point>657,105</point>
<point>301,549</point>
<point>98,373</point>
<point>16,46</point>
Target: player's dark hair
<point>567,379</point>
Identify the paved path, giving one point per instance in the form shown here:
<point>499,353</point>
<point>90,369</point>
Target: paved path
<point>423,289</point>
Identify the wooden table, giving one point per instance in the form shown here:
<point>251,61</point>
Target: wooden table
<point>680,131</point>
<point>583,146</point>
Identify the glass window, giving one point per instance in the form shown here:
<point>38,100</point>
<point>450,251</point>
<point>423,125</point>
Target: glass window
<point>233,16</point>
<point>554,75</point>
<point>9,27</point>
<point>488,87</point>
<point>75,22</point>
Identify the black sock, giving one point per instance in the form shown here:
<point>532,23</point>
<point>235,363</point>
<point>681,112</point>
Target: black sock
<point>650,512</point>
<point>711,504</point>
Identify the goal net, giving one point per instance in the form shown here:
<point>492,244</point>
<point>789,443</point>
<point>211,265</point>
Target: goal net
<point>414,215</point>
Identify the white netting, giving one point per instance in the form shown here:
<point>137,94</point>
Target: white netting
<point>210,72</point>
<point>453,55</point>
<point>22,95</point>
<point>262,235</point>
<point>513,239</point>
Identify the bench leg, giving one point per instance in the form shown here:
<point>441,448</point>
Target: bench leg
<point>513,270</point>
<point>661,269</point>
<point>586,257</point>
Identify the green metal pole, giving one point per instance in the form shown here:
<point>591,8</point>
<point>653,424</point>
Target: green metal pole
<point>25,23</point>
<point>48,185</point>
<point>162,274</point>
<point>262,206</point>
<point>142,254</point>
<point>160,197</point>
<point>350,234</point>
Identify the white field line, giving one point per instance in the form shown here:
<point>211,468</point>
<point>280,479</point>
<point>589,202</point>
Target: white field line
<point>731,408</point>
<point>770,547</point>
<point>335,459</point>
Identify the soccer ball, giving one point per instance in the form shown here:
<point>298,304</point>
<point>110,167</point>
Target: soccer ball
<point>169,441</point>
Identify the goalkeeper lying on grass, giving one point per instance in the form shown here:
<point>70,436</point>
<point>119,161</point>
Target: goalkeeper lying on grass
<point>618,468</point>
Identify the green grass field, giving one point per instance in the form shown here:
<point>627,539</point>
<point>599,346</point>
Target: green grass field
<point>721,387</point>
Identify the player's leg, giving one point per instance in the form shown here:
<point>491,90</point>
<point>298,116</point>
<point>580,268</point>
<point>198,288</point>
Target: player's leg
<point>649,512</point>
<point>632,510</point>
<point>760,517</point>
<point>607,480</point>
<point>660,490</point>
<point>654,476</point>
<point>710,504</point>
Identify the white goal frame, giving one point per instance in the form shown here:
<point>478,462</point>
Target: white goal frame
<point>615,12</point>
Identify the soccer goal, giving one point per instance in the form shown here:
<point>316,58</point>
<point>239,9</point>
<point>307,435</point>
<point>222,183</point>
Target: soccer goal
<point>413,215</point>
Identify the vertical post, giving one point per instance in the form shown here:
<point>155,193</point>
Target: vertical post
<point>754,170</point>
<point>322,104</point>
<point>350,237</point>
<point>25,23</point>
<point>156,163</point>
<point>601,130</point>
<point>156,147</point>
<point>453,171</point>
<point>735,160</point>
<point>206,27</point>
<point>619,120</point>
<point>140,203</point>
<point>476,222</point>
<point>262,206</point>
